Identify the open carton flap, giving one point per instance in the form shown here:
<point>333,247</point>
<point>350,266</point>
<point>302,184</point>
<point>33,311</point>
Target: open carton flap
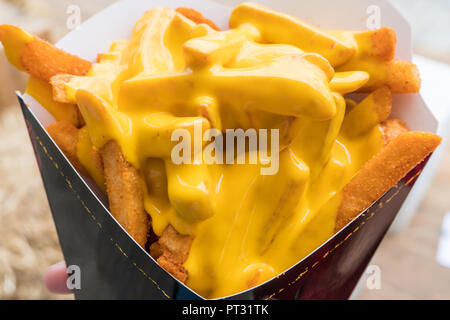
<point>96,35</point>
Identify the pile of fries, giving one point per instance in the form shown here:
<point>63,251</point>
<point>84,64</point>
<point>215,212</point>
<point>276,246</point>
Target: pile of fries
<point>350,61</point>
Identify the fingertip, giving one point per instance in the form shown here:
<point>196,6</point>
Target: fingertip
<point>55,279</point>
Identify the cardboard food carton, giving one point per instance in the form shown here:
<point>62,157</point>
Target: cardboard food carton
<point>114,266</point>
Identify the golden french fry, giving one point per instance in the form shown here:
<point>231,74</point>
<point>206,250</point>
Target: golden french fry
<point>58,83</point>
<point>42,92</point>
<point>43,60</point>
<point>281,28</point>
<point>65,136</point>
<point>14,40</point>
<point>74,143</point>
<point>373,110</point>
<point>378,43</point>
<point>122,181</point>
<point>125,194</point>
<point>90,157</point>
<point>382,42</point>
<point>383,172</point>
<point>38,57</point>
<point>392,128</point>
<point>375,52</point>
<point>403,77</point>
<point>171,251</point>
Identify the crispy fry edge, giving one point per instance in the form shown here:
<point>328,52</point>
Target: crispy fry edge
<point>384,171</point>
<point>122,180</point>
<point>392,128</point>
<point>58,87</point>
<point>65,135</point>
<point>171,251</point>
<point>403,77</point>
<point>384,41</point>
<point>125,194</point>
<point>43,60</point>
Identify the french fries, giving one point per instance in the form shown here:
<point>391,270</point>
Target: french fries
<point>382,42</point>
<point>55,61</point>
<point>383,172</point>
<point>292,31</point>
<point>42,61</point>
<point>122,181</point>
<point>197,17</point>
<point>375,52</point>
<point>71,141</point>
<point>66,137</point>
<point>43,93</point>
<point>171,251</point>
<point>278,71</point>
<point>392,128</point>
<point>124,189</point>
<point>378,104</point>
<point>379,43</point>
<point>58,83</point>
<point>39,58</point>
<point>402,77</point>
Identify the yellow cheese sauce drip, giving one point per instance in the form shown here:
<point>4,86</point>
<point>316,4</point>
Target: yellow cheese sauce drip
<point>174,74</point>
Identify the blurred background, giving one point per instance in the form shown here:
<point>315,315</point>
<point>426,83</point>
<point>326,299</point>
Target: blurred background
<point>407,258</point>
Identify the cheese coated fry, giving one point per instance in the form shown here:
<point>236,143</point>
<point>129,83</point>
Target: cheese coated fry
<point>349,81</point>
<point>373,110</point>
<point>197,17</point>
<point>38,57</point>
<point>277,27</point>
<point>42,92</point>
<point>399,75</point>
<point>65,136</point>
<point>76,145</point>
<point>375,52</point>
<point>58,84</point>
<point>124,190</point>
<point>383,172</point>
<point>378,43</point>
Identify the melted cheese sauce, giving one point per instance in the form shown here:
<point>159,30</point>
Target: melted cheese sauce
<point>173,73</point>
